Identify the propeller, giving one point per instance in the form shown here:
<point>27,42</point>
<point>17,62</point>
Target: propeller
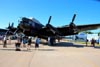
<point>73,18</point>
<point>10,26</point>
<point>72,25</point>
<point>10,29</point>
<point>52,28</point>
<point>48,25</point>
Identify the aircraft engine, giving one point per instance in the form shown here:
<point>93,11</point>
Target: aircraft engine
<point>73,27</point>
<point>10,29</point>
<point>52,28</point>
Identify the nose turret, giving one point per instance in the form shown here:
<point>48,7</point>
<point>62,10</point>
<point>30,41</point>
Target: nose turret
<point>24,24</point>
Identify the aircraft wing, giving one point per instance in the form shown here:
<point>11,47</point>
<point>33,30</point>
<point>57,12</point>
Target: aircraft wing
<point>80,27</point>
<point>3,31</point>
<point>7,31</point>
<point>65,30</point>
<point>88,27</point>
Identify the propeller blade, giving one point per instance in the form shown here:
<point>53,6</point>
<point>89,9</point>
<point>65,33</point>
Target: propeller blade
<point>49,20</point>
<point>6,32</point>
<point>9,24</point>
<point>73,18</point>
<point>12,25</point>
<point>16,31</point>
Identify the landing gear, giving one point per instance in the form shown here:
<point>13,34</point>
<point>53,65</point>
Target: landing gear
<point>51,41</point>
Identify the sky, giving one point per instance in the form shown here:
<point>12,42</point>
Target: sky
<point>62,11</point>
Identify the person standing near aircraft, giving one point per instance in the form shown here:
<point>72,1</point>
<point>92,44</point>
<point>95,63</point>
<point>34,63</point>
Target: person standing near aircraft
<point>24,41</point>
<point>49,41</point>
<point>5,41</point>
<point>93,42</point>
<point>9,39</point>
<point>29,43</point>
<point>86,42</point>
<point>37,42</point>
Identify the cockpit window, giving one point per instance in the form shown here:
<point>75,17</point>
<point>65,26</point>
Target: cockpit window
<point>36,21</point>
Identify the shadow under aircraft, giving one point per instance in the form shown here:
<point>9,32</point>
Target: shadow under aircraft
<point>32,27</point>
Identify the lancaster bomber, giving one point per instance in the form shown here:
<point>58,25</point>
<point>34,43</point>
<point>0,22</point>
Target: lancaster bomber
<point>32,27</point>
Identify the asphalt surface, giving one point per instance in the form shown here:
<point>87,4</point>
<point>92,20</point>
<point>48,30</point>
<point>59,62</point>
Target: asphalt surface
<point>62,55</point>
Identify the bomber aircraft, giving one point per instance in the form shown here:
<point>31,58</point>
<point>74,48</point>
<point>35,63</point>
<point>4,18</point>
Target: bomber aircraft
<point>32,27</point>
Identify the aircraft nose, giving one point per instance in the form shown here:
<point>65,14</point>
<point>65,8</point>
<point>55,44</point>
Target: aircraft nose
<point>21,24</point>
<point>24,25</point>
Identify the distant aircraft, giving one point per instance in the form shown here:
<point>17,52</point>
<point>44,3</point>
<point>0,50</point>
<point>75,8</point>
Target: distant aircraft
<point>81,35</point>
<point>32,27</point>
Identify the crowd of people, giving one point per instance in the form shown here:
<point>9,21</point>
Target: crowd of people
<point>27,41</point>
<point>22,42</point>
<point>93,42</point>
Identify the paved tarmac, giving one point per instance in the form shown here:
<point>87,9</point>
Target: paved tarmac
<point>62,55</point>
